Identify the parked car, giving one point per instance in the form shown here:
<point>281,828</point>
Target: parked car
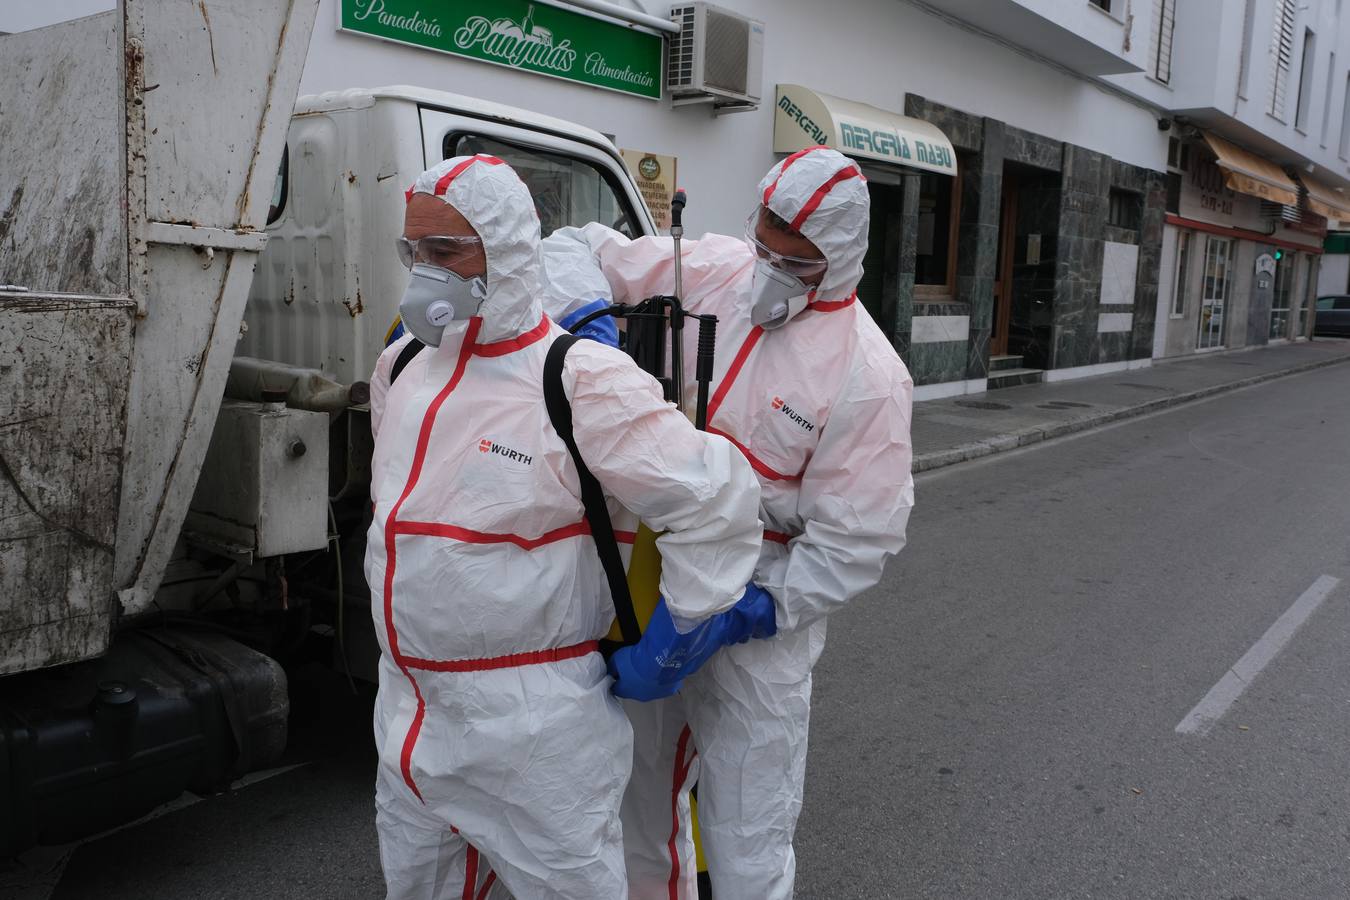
<point>1333,316</point>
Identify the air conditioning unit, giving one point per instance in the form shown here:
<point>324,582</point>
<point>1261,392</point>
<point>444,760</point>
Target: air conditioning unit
<point>1282,212</point>
<point>717,58</point>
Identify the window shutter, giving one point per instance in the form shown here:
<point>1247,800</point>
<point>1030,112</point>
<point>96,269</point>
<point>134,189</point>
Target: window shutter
<point>1160,51</point>
<point>1281,56</point>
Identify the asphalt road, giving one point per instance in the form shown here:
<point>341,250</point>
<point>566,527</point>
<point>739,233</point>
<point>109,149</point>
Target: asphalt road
<point>997,719</point>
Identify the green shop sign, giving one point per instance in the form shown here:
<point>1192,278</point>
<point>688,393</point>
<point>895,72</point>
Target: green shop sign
<point>531,37</point>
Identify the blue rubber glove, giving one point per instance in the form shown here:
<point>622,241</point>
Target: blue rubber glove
<point>657,665</point>
<point>604,330</point>
<point>753,616</point>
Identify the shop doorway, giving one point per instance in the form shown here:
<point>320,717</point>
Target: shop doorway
<point>1281,296</point>
<point>1217,287</point>
<point>878,290</point>
<point>1024,269</point>
<point>1003,268</point>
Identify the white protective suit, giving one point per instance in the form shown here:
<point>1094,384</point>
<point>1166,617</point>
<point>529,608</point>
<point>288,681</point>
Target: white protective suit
<point>502,754</point>
<point>821,409</point>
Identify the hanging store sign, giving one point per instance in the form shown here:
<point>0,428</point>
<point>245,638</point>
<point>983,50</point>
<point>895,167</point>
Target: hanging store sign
<point>1206,197</point>
<point>530,37</point>
<point>806,118</point>
<point>1265,270</point>
<point>655,177</point>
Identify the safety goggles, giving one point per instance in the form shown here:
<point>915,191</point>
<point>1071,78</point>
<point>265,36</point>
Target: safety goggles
<point>440,250</point>
<point>797,266</point>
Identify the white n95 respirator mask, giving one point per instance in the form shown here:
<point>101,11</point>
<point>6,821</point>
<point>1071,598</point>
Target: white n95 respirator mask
<point>775,296</point>
<point>436,297</point>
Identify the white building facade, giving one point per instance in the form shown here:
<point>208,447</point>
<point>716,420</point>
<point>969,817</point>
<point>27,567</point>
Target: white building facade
<point>1259,164</point>
<point>992,251</point>
<point>1085,185</point>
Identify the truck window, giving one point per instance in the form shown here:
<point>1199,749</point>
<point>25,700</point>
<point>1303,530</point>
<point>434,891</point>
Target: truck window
<point>566,190</point>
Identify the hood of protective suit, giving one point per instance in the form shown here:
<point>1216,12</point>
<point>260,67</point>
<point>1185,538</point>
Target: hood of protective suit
<point>570,278</point>
<point>491,196</point>
<point>823,194</point>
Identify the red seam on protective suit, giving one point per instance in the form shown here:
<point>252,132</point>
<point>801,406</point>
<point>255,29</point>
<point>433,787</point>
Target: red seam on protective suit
<point>756,463</point>
<point>776,537</point>
<point>626,537</point>
<point>511,345</point>
<point>768,191</point>
<point>720,394</point>
<point>677,784</point>
<point>832,305</point>
<point>815,199</point>
<point>443,184</point>
<point>470,874</point>
<point>734,370</point>
<point>469,536</point>
<point>390,535</point>
<point>487,885</point>
<point>509,661</point>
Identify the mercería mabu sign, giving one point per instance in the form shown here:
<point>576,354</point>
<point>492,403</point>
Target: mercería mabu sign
<point>531,37</point>
<point>804,117</point>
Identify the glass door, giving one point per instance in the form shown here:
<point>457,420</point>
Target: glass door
<point>1218,285</point>
<point>1305,299</point>
<point>1279,302</point>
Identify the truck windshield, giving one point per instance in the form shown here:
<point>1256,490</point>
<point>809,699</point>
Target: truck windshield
<point>566,190</point>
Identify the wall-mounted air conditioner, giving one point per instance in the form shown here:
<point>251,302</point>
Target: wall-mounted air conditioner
<point>717,58</point>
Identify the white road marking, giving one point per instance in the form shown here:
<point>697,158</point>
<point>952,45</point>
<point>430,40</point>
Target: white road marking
<point>1224,694</point>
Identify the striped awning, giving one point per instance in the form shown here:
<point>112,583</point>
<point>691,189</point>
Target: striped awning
<point>806,118</point>
<point>1247,173</point>
<point>1325,201</point>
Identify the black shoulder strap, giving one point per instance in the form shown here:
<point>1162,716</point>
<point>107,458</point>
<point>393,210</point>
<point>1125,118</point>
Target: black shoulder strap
<point>592,497</point>
<point>405,356</point>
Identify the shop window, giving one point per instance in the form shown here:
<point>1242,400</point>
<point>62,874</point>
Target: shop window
<point>566,190</point>
<point>1306,302</point>
<point>1124,209</point>
<point>935,244</point>
<point>1184,240</point>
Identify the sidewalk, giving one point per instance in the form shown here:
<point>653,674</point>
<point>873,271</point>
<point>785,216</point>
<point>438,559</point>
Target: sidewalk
<point>957,429</point>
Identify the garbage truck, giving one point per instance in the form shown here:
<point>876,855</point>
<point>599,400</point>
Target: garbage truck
<point>196,275</point>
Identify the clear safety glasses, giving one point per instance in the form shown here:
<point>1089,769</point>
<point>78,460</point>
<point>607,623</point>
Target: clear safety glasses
<point>442,251</point>
<point>797,266</point>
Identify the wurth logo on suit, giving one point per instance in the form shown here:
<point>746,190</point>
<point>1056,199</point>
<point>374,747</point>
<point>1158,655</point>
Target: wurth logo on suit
<point>792,414</point>
<point>487,445</point>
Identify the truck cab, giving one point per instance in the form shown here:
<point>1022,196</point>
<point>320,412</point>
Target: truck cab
<point>328,284</point>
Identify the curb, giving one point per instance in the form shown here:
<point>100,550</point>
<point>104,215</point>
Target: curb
<point>938,459</point>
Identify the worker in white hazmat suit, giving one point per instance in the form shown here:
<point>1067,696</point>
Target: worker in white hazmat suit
<point>502,753</point>
<point>819,403</point>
